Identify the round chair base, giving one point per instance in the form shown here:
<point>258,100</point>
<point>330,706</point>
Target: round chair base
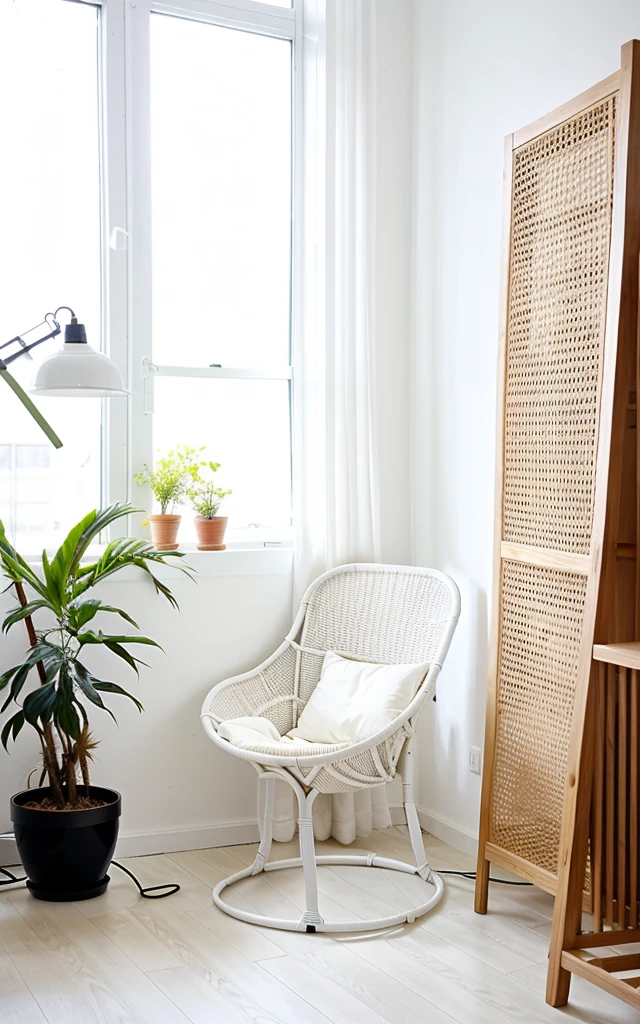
<point>314,922</point>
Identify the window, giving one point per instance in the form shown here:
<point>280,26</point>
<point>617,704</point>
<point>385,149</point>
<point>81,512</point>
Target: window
<point>152,190</point>
<point>50,251</point>
<point>221,256</point>
<point>24,475</point>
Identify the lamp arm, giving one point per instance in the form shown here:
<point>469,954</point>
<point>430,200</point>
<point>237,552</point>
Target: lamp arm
<point>28,404</point>
<point>54,329</point>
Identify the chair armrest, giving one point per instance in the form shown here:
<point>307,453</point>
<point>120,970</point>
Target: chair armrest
<point>269,691</point>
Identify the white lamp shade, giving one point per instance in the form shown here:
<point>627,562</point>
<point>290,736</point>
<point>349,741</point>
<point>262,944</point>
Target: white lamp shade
<point>77,370</point>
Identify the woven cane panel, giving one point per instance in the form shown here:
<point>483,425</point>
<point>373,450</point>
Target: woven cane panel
<point>560,230</point>
<point>541,629</point>
<point>394,616</point>
<point>265,693</point>
<point>310,669</point>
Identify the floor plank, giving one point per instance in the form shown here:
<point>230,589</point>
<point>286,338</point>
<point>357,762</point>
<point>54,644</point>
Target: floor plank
<point>343,1004</point>
<point>130,936</point>
<point>76,973</point>
<point>232,975</point>
<point>246,938</point>
<point>335,973</point>
<point>586,1001</point>
<point>465,987</point>
<point>205,998</point>
<point>123,959</point>
<point>17,1004</point>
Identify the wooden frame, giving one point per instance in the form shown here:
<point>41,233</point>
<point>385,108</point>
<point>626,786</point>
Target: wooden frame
<point>597,758</point>
<point>614,727</point>
<point>608,782</point>
<point>594,557</point>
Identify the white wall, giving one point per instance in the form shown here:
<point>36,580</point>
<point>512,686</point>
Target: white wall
<point>482,71</point>
<point>179,791</point>
<point>393,271</point>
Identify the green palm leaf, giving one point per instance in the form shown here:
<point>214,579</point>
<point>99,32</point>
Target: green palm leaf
<point>40,704</point>
<point>13,727</point>
<point>114,688</point>
<point>66,688</point>
<point>21,613</point>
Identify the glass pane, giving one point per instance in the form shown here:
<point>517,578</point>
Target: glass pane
<point>245,427</point>
<point>50,253</point>
<point>221,194</point>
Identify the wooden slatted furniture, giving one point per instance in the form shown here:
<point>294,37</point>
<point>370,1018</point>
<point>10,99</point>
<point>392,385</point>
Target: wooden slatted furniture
<point>560,803</point>
<point>612,796</point>
<point>565,569</point>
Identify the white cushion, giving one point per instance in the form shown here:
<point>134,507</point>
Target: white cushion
<point>244,732</point>
<point>261,735</point>
<point>355,700</point>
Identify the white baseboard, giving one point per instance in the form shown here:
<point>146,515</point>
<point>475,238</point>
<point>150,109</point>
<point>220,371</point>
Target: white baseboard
<point>448,832</point>
<point>8,853</point>
<point>398,817</point>
<point>140,844</point>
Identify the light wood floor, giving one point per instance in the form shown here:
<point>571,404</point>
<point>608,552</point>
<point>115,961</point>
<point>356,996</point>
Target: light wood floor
<point>123,959</point>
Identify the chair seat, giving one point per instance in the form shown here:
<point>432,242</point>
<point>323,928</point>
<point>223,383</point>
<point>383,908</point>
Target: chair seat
<point>258,734</point>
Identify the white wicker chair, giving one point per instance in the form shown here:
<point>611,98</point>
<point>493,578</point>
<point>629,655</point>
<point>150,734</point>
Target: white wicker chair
<point>379,613</point>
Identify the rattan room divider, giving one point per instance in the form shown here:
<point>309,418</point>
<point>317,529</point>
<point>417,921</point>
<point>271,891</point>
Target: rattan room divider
<point>564,572</point>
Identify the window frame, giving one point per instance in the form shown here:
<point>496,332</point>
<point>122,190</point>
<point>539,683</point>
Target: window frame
<point>126,230</point>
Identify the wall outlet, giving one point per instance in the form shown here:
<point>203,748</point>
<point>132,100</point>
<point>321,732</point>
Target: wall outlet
<point>475,760</point>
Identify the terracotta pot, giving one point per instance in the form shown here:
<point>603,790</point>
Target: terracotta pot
<point>211,533</point>
<point>164,530</point>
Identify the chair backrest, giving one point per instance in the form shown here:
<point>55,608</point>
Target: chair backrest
<point>388,613</point>
<point>394,614</point>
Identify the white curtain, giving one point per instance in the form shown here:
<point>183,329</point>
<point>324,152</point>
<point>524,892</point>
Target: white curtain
<point>335,461</point>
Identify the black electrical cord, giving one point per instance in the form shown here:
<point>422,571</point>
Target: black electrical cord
<point>10,879</point>
<point>153,892</point>
<point>149,892</point>
<point>472,875</point>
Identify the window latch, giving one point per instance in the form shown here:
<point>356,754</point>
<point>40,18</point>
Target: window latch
<point>148,369</point>
<point>119,239</point>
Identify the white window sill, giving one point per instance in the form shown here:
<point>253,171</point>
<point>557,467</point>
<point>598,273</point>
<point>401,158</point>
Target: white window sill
<point>234,561</point>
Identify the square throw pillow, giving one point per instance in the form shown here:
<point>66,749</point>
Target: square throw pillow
<point>355,700</point>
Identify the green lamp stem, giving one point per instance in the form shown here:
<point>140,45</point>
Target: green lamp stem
<point>29,406</point>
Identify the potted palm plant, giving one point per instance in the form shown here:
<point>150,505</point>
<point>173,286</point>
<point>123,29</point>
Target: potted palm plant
<point>66,830</point>
<point>168,482</point>
<point>206,500</point>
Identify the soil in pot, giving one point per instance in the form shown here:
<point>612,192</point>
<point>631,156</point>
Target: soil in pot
<point>211,533</point>
<point>164,531</point>
<point>66,853</point>
<point>84,803</point>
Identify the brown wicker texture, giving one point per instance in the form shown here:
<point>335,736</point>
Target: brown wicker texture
<point>542,617</point>
<point>561,213</point>
<point>561,224</point>
<point>615,842</point>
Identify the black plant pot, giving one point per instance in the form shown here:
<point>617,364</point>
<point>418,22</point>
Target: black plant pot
<point>66,854</point>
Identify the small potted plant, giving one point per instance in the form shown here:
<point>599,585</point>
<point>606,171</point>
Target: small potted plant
<point>168,482</point>
<point>206,499</point>
<point>66,831</point>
